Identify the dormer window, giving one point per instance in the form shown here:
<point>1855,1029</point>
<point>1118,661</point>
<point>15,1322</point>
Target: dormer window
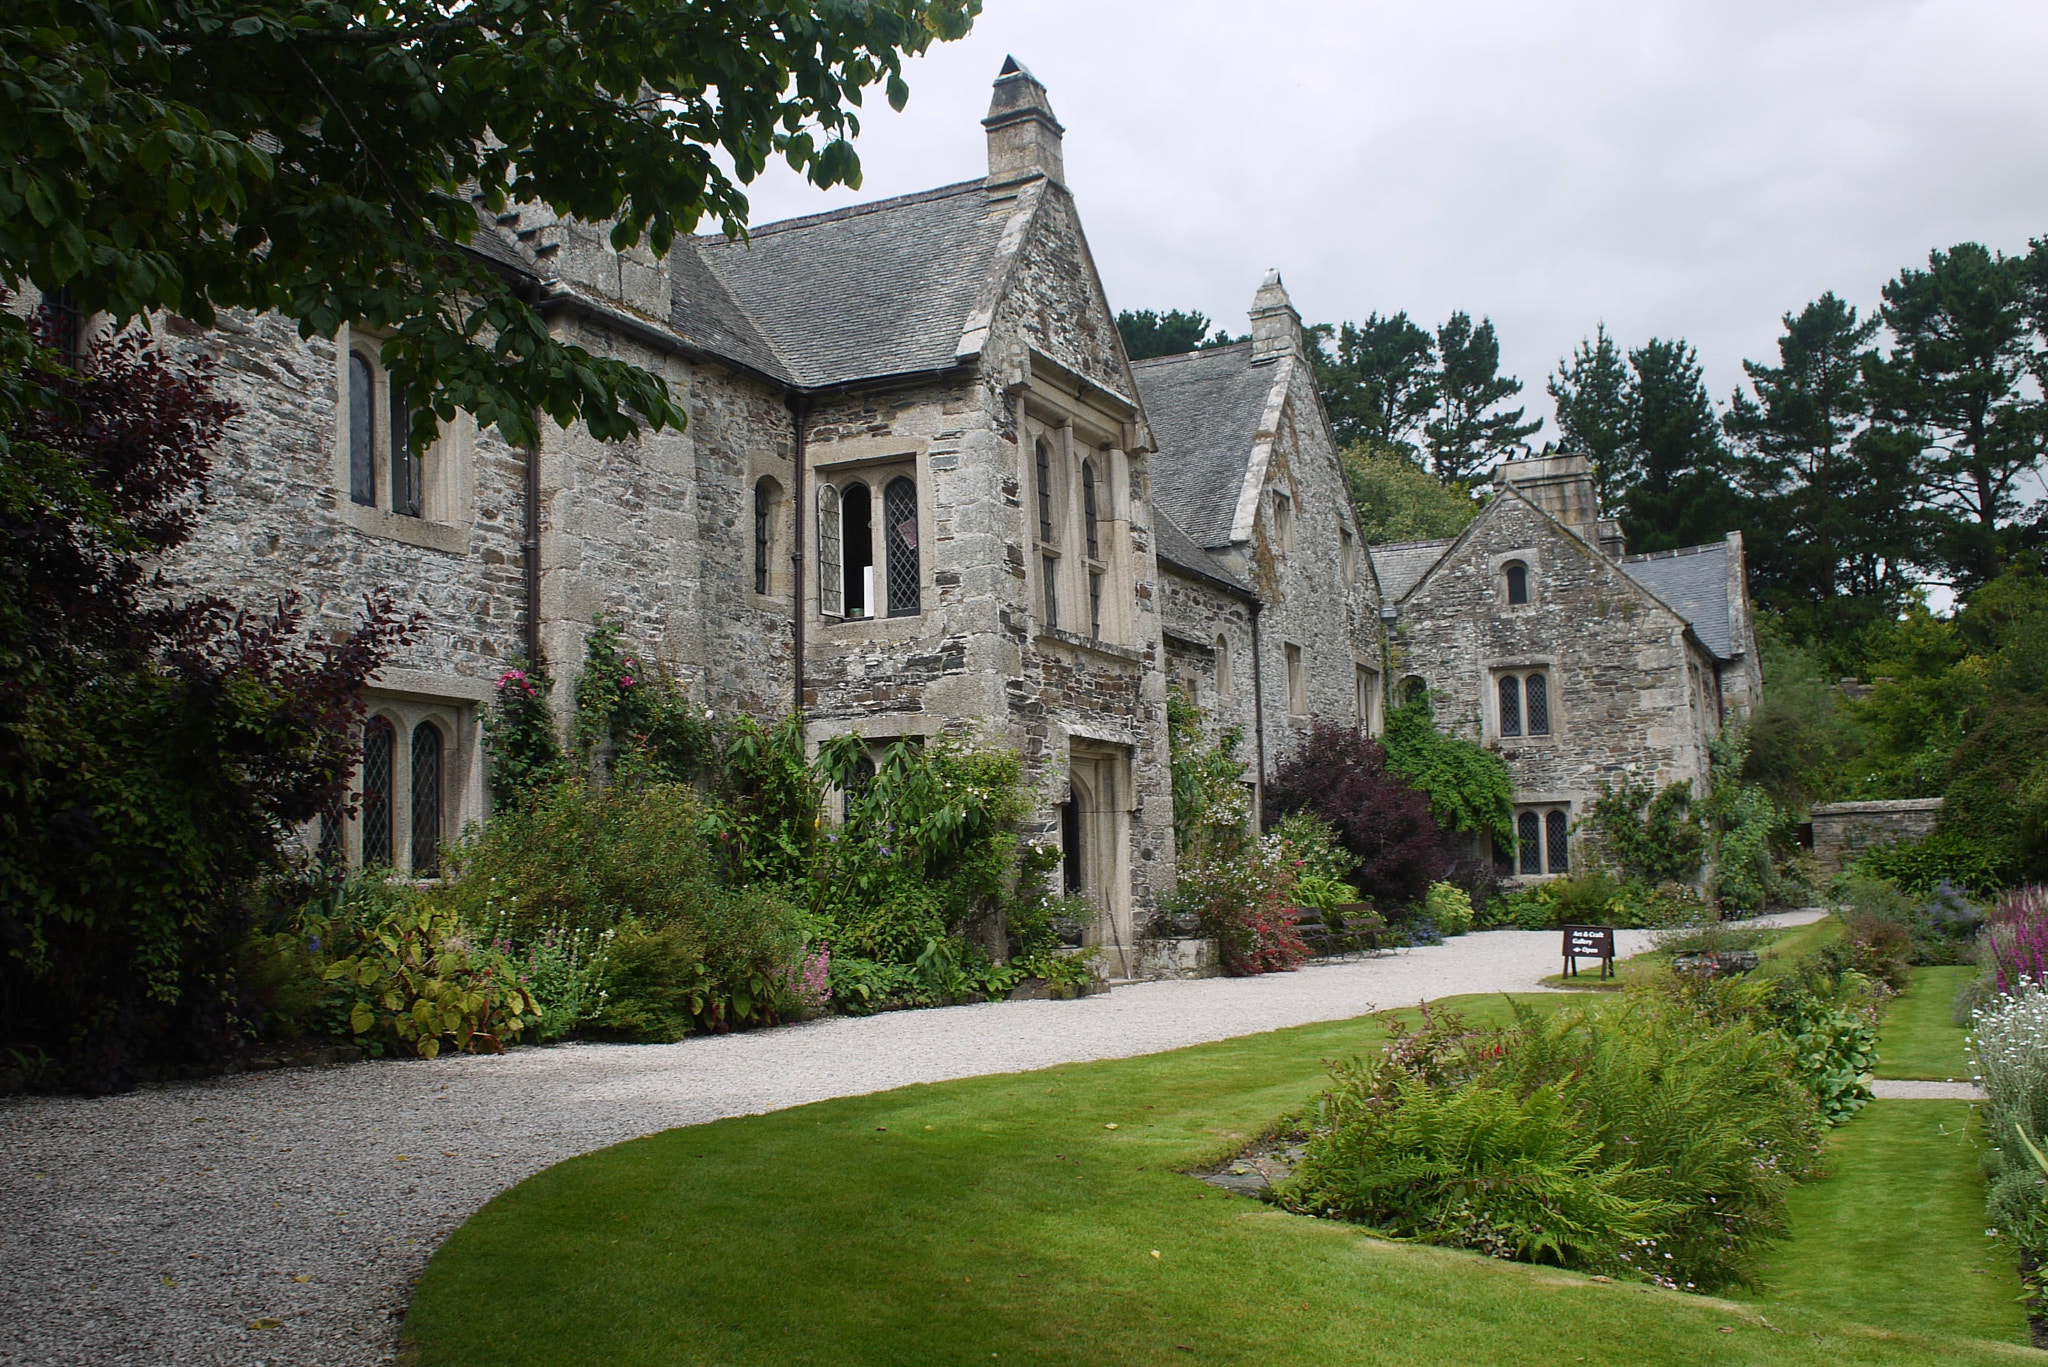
<point>1518,582</point>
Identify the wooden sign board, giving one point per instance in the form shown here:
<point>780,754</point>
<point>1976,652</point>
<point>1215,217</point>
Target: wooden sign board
<point>1589,942</point>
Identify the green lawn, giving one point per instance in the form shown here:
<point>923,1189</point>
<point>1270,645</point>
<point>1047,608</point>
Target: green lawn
<point>1004,1220</point>
<point>1894,1235</point>
<point>1780,950</point>
<point>1920,1038</point>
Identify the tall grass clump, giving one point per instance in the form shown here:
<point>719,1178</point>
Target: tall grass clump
<point>1655,1138</point>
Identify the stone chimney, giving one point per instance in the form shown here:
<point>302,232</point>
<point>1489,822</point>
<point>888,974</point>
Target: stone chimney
<point>1276,327</point>
<point>1563,487</point>
<point>1023,136</point>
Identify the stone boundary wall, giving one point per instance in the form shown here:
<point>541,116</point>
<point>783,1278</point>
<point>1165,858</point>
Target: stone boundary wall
<point>1844,830</point>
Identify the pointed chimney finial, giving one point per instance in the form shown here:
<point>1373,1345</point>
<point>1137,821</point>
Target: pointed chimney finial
<point>1276,327</point>
<point>1023,135</point>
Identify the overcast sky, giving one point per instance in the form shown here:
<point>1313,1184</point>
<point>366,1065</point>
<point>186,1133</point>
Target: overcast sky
<point>1689,168</point>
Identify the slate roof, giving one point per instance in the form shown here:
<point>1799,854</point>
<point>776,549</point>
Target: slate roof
<point>1204,408</point>
<point>1694,584</point>
<point>856,294</point>
<point>1400,565</point>
<point>1176,548</point>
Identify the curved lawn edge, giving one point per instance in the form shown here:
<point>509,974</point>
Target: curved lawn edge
<point>1032,1217</point>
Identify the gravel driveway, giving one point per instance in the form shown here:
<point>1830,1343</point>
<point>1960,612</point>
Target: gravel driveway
<point>282,1217</point>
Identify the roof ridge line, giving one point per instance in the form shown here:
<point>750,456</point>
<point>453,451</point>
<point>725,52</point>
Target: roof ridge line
<point>846,212</point>
<point>1675,552</point>
<point>1191,355</point>
<point>739,304</point>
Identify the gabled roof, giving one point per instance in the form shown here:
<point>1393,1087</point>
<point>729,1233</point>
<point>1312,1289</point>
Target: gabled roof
<point>1693,583</point>
<point>860,293</point>
<point>1177,550</point>
<point>1400,565</point>
<point>1204,408</point>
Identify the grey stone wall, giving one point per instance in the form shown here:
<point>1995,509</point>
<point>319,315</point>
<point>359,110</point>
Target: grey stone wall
<point>1843,831</point>
<point>1630,695</point>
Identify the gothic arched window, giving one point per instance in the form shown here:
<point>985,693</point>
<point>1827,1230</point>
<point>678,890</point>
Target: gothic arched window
<point>1042,454</point>
<point>362,430</point>
<point>831,587</point>
<point>1556,842</point>
<point>1518,581</point>
<point>1510,705</point>
<point>1529,839</point>
<point>380,743</point>
<point>1537,689</point>
<point>857,542</point>
<point>426,800</point>
<point>1088,518</point>
<point>765,491</point>
<point>899,535</point>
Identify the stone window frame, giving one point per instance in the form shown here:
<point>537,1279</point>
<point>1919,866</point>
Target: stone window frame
<point>875,474</point>
<point>1532,565</point>
<point>1281,511</point>
<point>1074,590</point>
<point>1295,659</point>
<point>1520,671</point>
<point>1552,825</point>
<point>455,720</point>
<point>447,513</point>
<point>1226,680</point>
<point>1367,698</point>
<point>779,579</point>
<point>1347,550</point>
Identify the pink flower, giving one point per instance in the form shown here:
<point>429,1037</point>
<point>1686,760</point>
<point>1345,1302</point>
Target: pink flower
<point>626,682</point>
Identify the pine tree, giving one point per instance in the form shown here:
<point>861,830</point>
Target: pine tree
<point>1466,435</point>
<point>1378,379</point>
<point>1830,494</point>
<point>1963,349</point>
<point>1681,494</point>
<point>1592,395</point>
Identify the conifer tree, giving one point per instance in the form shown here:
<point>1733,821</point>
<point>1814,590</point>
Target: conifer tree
<point>1378,379</point>
<point>1591,392</point>
<point>1467,433</point>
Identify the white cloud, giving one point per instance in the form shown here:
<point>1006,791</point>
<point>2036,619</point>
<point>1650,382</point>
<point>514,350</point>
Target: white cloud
<point>1688,168</point>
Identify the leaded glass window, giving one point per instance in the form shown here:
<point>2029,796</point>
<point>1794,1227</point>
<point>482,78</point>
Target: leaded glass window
<point>1538,690</point>
<point>1510,705</point>
<point>1529,840</point>
<point>1048,569</point>
<point>1556,844</point>
<point>1088,509</point>
<point>1043,473</point>
<point>362,431</point>
<point>764,508</point>
<point>407,491</point>
<point>1095,603</point>
<point>380,743</point>
<point>426,800</point>
<point>899,511</point>
<point>831,591</point>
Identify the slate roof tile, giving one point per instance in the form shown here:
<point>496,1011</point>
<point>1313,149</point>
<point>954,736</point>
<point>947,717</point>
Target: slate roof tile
<point>1176,548</point>
<point>860,293</point>
<point>1400,565</point>
<point>1204,408</point>
<point>1694,584</point>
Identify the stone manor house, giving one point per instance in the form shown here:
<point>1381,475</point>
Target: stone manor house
<point>923,490</point>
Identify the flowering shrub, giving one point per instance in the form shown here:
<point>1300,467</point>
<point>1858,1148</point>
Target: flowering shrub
<point>2016,939</point>
<point>520,739</point>
<point>811,981</point>
<point>1449,907</point>
<point>2009,1048</point>
<point>1238,894</point>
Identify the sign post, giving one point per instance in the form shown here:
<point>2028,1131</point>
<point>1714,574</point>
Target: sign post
<point>1589,942</point>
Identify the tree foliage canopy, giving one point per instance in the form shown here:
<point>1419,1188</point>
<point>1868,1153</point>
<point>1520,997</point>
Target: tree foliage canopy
<point>1147,334</point>
<point>326,159</point>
